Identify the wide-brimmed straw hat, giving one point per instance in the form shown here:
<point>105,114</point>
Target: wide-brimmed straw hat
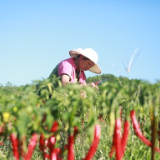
<point>88,53</point>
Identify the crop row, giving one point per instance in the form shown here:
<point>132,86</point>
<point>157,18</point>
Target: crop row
<point>27,114</point>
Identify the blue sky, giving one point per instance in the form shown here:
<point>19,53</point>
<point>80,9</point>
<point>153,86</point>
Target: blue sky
<point>35,35</point>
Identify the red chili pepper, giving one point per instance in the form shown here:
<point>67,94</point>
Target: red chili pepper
<point>58,151</point>
<point>70,147</point>
<point>54,127</point>
<point>94,145</point>
<point>1,131</point>
<point>114,137</point>
<point>139,132</point>
<point>118,138</point>
<point>31,146</point>
<point>75,131</point>
<point>50,143</point>
<point>2,128</point>
<point>46,156</point>
<point>14,141</point>
<point>125,136</point>
<point>53,154</point>
<point>70,144</point>
<point>43,145</point>
<point>97,82</point>
<point>123,140</point>
<point>41,142</point>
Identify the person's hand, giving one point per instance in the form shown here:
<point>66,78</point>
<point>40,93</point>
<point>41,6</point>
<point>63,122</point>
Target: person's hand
<point>83,94</point>
<point>93,85</point>
<point>82,84</point>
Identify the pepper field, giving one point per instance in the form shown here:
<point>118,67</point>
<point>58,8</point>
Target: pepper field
<point>43,120</point>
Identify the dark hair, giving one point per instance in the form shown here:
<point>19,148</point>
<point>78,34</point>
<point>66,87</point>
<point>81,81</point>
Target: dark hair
<point>78,55</point>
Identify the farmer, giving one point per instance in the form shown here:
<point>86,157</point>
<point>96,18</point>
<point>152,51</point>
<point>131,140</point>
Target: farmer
<point>71,70</point>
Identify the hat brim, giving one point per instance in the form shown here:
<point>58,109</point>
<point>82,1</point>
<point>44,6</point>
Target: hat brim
<point>94,69</point>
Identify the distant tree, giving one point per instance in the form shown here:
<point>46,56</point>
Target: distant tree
<point>103,78</point>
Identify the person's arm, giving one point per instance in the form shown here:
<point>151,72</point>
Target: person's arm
<point>65,79</point>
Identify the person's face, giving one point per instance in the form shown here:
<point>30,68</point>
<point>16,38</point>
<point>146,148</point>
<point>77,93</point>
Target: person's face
<point>85,63</point>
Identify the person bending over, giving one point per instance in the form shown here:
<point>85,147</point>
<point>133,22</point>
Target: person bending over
<point>71,70</point>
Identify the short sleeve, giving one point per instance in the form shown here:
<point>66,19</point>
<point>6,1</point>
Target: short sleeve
<point>65,68</point>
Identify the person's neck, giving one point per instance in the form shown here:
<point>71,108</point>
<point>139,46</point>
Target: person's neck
<point>76,62</point>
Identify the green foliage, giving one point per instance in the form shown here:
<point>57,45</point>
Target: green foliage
<point>23,108</point>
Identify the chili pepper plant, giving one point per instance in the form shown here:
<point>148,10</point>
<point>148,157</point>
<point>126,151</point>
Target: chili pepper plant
<point>44,120</point>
